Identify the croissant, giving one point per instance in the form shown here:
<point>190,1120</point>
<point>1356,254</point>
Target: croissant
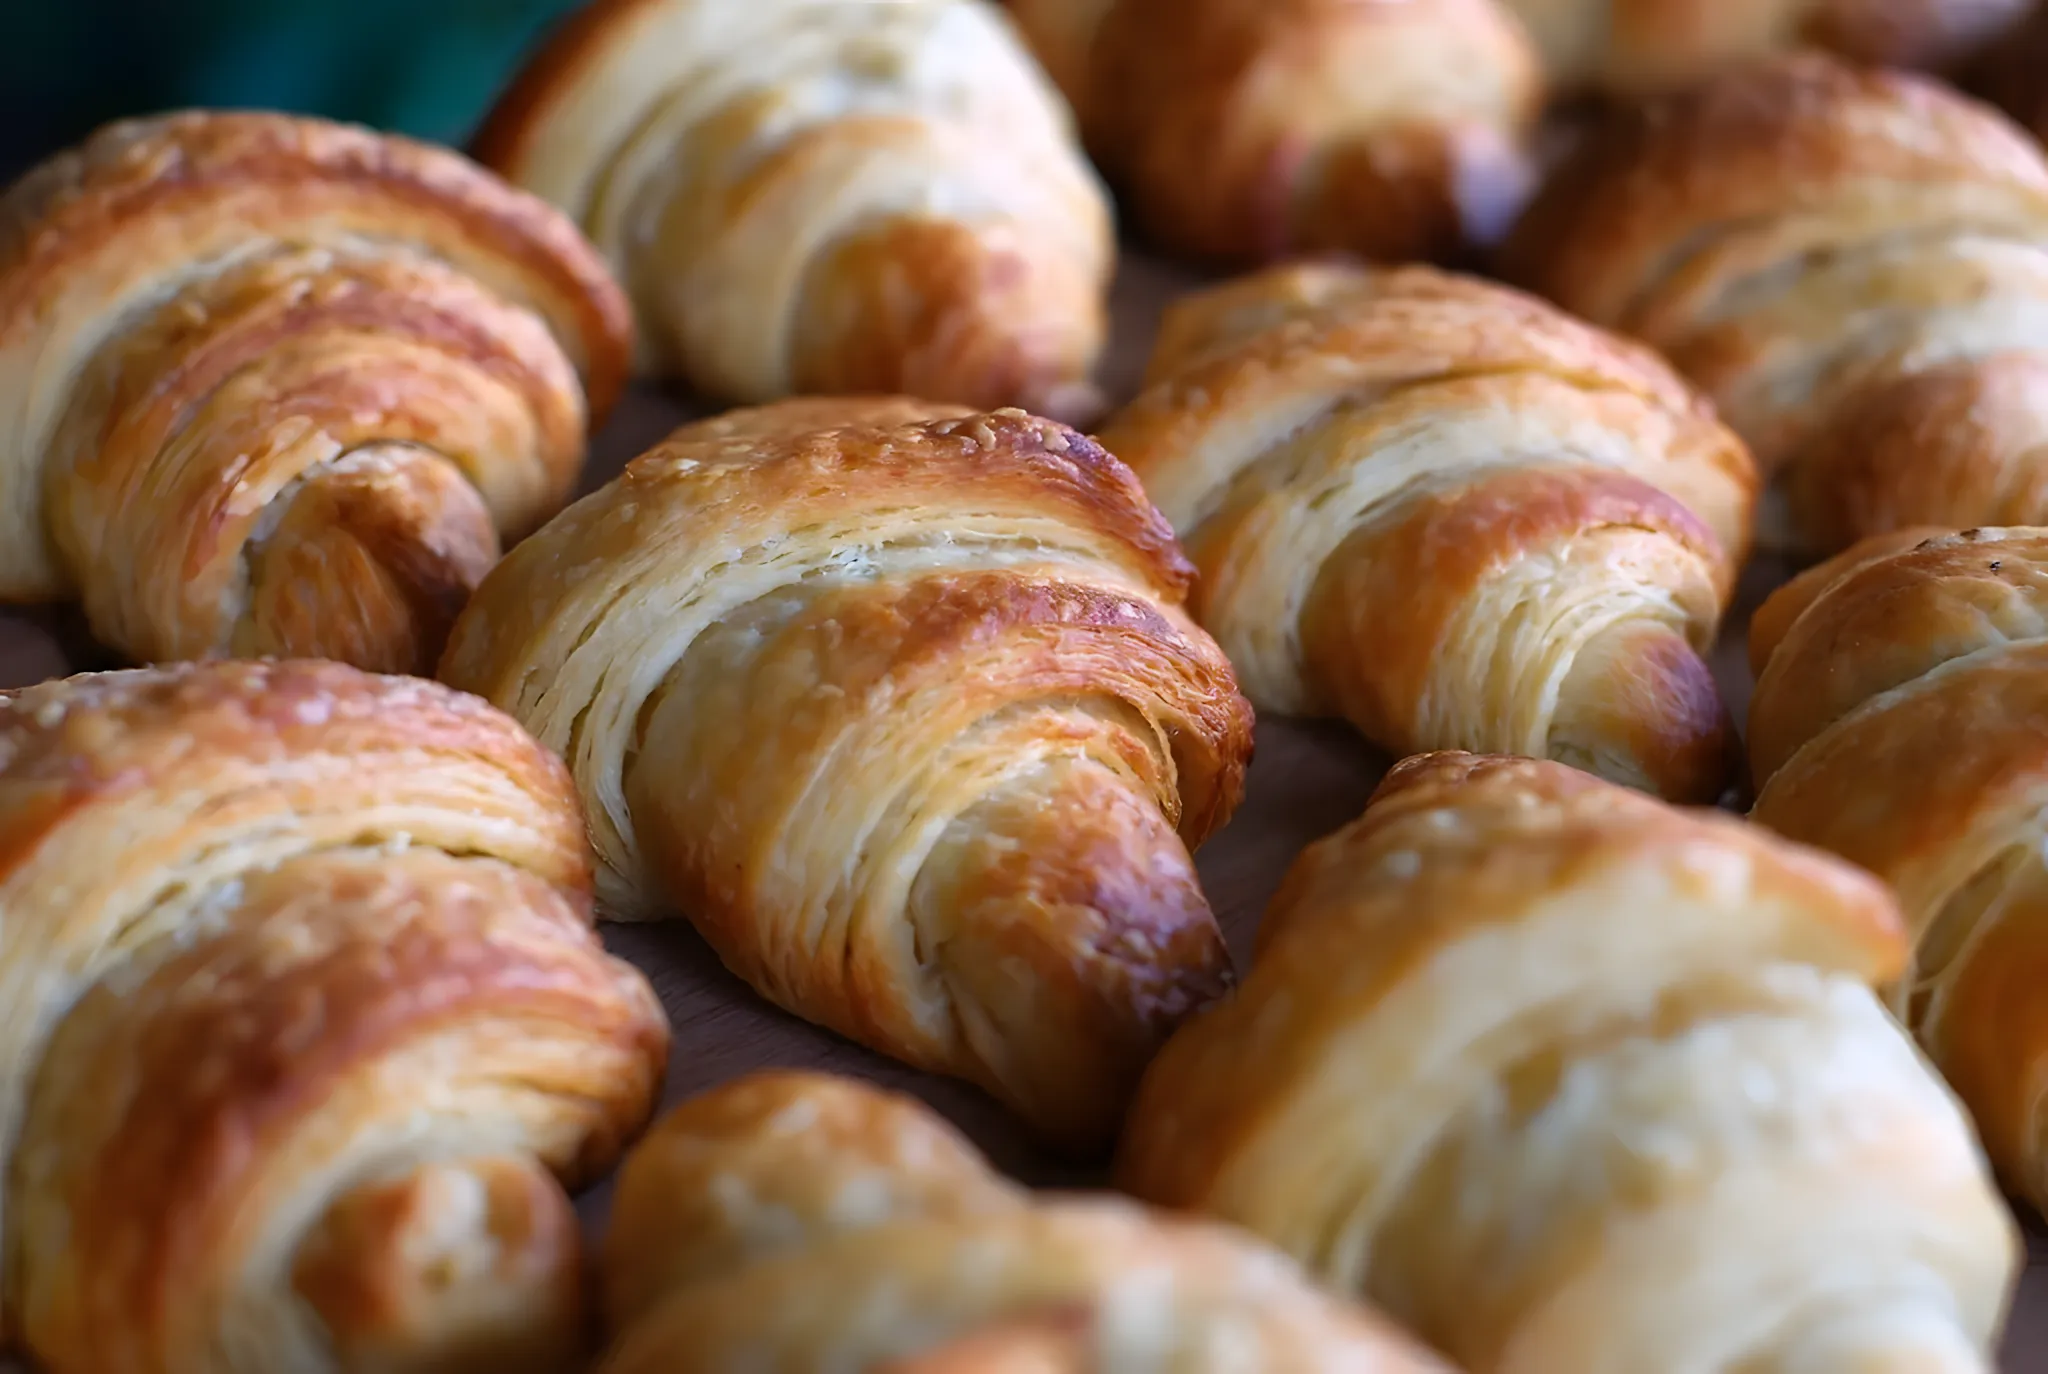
<point>274,386</point>
<point>1898,721</point>
<point>1452,515</point>
<point>304,1029</point>
<point>902,711</point>
<point>1642,47</point>
<point>1853,264</point>
<point>798,1221</point>
<point>1566,1079</point>
<point>824,195</point>
<point>1245,130</point>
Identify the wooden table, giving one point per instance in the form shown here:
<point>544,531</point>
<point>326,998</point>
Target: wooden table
<point>1307,780</point>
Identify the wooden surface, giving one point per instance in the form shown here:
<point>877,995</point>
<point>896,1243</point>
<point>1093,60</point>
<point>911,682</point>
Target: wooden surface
<point>1307,780</point>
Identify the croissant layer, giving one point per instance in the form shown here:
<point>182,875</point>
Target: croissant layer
<point>307,1030</point>
<point>943,1265</point>
<point>1469,1079</point>
<point>1450,514</point>
<point>1896,723</point>
<point>1245,130</point>
<point>898,705</point>
<point>824,197</point>
<point>1852,263</point>
<point>279,387</point>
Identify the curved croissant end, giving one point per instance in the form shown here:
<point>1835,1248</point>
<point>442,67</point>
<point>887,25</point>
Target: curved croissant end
<point>824,197</point>
<point>816,1223</point>
<point>273,386</point>
<point>1853,264</point>
<point>1246,130</point>
<point>906,718</point>
<point>1636,48</point>
<point>305,1027</point>
<point>1451,514</point>
<point>1566,1079</point>
<point>1898,721</point>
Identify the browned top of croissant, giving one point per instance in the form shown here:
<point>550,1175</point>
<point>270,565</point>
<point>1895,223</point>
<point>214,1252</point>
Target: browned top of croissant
<point>1625,229</point>
<point>307,1025</point>
<point>173,184</point>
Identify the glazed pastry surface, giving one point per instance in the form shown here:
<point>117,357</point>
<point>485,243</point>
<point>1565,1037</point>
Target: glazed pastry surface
<point>824,195</point>
<point>904,714</point>
<point>1245,130</point>
<point>1853,264</point>
<point>1451,514</point>
<point>1898,721</point>
<point>274,386</point>
<point>1567,1080</point>
<point>1633,48</point>
<point>798,1221</point>
<point>304,1030</point>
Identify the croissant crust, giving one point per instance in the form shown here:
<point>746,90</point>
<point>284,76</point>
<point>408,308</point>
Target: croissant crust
<point>307,1031</point>
<point>941,1265</point>
<point>906,718</point>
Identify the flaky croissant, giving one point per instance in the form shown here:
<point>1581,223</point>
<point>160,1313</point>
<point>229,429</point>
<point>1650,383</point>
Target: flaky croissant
<point>1642,47</point>
<point>1901,719</point>
<point>303,1027</point>
<point>270,385</point>
<point>1572,1082</point>
<point>1853,264</point>
<point>1244,130</point>
<point>1451,514</point>
<point>796,1221</point>
<point>824,195</point>
<point>906,717</point>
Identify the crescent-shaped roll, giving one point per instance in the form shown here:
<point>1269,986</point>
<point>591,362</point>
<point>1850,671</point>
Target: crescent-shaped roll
<point>824,196</point>
<point>1853,264</point>
<point>274,386</point>
<point>797,1221</point>
<point>304,1029</point>
<point>1901,719</point>
<point>1450,514</point>
<point>1247,130</point>
<point>904,714</point>
<point>1569,1081</point>
<point>1634,48</point>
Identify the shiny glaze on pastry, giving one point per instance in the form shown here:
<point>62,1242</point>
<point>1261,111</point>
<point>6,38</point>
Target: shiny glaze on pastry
<point>270,385</point>
<point>304,1030</point>
<point>824,195</point>
<point>898,705</point>
<point>798,1221</point>
<point>1451,514</point>
<point>1570,1081</point>
<point>1852,263</point>
<point>1244,130</point>
<point>1901,719</point>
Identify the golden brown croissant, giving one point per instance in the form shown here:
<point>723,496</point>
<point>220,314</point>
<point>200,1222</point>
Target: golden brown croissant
<point>1243,130</point>
<point>1853,264</point>
<point>824,195</point>
<point>1899,720</point>
<point>1451,514</point>
<point>303,1027</point>
<point>1572,1082</point>
<point>906,717</point>
<point>1641,47</point>
<point>797,1221</point>
<point>277,386</point>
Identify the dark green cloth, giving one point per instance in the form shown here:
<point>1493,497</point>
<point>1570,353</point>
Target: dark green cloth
<point>423,67</point>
